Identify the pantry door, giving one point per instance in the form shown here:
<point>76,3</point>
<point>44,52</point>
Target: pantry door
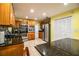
<point>62,28</point>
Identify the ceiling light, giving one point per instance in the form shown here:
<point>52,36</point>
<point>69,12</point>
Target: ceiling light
<point>65,3</point>
<point>32,10</point>
<point>27,17</point>
<point>44,14</point>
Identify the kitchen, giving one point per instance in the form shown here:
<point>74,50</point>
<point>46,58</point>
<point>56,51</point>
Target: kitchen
<point>39,29</point>
<point>14,31</point>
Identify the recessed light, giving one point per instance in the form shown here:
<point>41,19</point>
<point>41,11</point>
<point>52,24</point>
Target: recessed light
<point>44,14</point>
<point>27,17</point>
<point>32,10</point>
<point>65,3</point>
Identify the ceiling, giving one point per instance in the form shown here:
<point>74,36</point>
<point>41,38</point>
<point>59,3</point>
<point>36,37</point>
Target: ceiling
<point>23,9</point>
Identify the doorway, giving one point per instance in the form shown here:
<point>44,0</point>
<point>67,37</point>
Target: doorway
<point>62,28</point>
<point>63,33</point>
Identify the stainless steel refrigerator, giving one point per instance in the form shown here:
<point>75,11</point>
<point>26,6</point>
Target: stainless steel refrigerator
<point>46,32</point>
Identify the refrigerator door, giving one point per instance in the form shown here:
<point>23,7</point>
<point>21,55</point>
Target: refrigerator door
<point>47,32</point>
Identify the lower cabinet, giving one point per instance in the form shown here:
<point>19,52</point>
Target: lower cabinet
<point>31,35</point>
<point>41,35</point>
<point>13,50</point>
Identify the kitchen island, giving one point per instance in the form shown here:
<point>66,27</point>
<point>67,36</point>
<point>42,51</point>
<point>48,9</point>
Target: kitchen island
<point>62,49</point>
<point>45,50</point>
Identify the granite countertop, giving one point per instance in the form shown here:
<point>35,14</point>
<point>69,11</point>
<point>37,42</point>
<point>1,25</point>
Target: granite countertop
<point>62,48</point>
<point>45,50</point>
<point>15,38</point>
<point>40,31</point>
<point>12,44</point>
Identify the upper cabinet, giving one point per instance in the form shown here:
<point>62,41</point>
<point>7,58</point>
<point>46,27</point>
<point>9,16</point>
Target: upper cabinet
<point>12,16</point>
<point>31,22</point>
<point>17,23</point>
<point>6,14</point>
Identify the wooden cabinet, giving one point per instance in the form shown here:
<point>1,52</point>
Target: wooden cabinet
<point>5,14</point>
<point>13,50</point>
<point>31,35</point>
<point>41,35</point>
<point>17,23</point>
<point>12,18</point>
<point>31,22</point>
<point>25,21</point>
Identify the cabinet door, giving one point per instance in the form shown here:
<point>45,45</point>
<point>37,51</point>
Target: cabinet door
<point>14,50</point>
<point>12,18</point>
<point>40,35</point>
<point>1,17</point>
<point>7,14</point>
<point>31,36</point>
<point>31,23</point>
<point>4,13</point>
<point>17,23</point>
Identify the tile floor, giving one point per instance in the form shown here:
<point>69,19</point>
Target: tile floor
<point>30,44</point>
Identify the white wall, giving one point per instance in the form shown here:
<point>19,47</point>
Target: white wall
<point>36,31</point>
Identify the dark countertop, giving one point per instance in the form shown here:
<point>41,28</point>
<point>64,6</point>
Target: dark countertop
<point>16,43</point>
<point>45,50</point>
<point>40,31</point>
<point>11,35</point>
<point>15,38</point>
<point>64,48</point>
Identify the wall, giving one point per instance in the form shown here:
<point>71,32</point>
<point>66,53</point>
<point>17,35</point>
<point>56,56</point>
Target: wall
<point>75,23</point>
<point>36,31</point>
